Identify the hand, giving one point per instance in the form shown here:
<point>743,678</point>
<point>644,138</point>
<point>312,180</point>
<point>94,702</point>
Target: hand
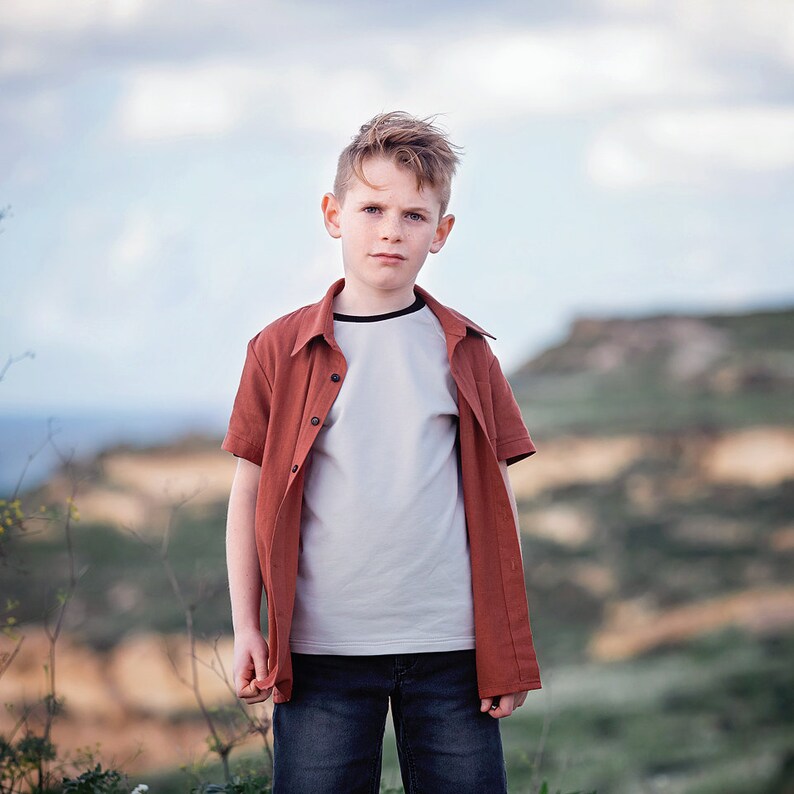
<point>249,668</point>
<point>507,704</point>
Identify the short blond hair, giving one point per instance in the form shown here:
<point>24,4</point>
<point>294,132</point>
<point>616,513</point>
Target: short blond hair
<point>410,142</point>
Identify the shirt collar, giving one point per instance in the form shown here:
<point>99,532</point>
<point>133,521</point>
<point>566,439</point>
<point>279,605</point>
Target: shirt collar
<point>318,318</point>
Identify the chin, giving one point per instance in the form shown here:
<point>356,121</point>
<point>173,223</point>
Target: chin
<point>387,279</point>
<point>395,283</point>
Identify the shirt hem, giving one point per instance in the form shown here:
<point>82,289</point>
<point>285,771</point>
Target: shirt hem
<point>390,646</point>
<point>492,690</point>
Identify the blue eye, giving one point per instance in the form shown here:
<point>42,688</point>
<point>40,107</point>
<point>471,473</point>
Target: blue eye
<point>417,215</point>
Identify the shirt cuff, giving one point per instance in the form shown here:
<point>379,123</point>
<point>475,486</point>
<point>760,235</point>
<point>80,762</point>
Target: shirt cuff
<point>242,448</point>
<point>515,449</point>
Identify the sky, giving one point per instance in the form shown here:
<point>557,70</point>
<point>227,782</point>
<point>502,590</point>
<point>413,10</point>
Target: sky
<point>162,166</point>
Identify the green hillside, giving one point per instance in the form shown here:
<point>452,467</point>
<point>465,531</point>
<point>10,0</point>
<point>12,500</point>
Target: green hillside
<point>662,373</point>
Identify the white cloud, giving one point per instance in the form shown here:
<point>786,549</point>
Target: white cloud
<point>495,74</point>
<point>52,40</point>
<point>217,82</point>
<point>81,17</point>
<point>224,97</point>
<point>697,146</point>
<point>172,101</point>
<point>316,98</point>
<point>43,16</point>
<point>766,27</point>
<point>739,26</point>
<point>565,70</point>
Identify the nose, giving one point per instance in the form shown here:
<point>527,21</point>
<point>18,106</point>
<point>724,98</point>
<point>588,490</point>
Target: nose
<point>391,229</point>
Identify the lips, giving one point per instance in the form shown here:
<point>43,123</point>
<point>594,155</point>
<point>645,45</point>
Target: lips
<point>389,257</point>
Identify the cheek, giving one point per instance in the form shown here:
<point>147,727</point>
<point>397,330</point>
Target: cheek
<point>355,233</point>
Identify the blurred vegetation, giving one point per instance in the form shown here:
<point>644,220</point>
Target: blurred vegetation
<point>123,586</point>
<point>662,374</point>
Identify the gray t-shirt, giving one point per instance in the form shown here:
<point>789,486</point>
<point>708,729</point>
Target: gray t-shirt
<point>384,563</point>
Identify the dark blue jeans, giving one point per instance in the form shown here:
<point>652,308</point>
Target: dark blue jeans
<point>328,738</point>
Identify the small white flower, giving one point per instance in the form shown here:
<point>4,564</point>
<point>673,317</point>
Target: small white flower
<point>141,788</point>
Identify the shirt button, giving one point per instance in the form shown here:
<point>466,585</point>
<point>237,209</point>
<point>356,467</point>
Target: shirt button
<point>335,377</point>
<point>295,467</point>
<point>315,420</point>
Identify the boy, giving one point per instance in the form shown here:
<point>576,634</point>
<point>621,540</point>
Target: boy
<point>371,500</point>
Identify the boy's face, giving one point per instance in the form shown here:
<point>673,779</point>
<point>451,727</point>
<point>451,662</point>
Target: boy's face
<point>393,218</point>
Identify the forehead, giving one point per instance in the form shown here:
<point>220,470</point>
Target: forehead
<point>390,178</point>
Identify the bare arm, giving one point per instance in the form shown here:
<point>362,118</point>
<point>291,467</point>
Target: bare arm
<point>245,584</point>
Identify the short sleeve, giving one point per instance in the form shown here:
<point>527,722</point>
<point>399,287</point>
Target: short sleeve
<point>513,442</point>
<point>247,429</point>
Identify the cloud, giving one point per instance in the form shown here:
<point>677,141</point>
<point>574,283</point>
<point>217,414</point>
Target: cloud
<point>693,146</point>
<point>275,68</point>
<point>44,16</point>
<point>51,40</point>
<point>44,40</point>
<point>765,29</point>
<point>207,99</point>
<point>495,74</point>
<point>572,70</point>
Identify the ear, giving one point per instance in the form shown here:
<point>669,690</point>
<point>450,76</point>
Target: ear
<point>331,209</point>
<point>442,232</point>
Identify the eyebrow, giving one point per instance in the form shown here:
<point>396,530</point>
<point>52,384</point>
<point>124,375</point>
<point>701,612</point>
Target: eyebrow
<point>363,204</point>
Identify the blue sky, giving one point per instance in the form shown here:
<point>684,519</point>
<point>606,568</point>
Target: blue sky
<point>164,164</point>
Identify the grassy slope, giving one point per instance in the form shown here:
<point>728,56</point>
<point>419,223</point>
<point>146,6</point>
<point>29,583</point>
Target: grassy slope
<point>747,381</point>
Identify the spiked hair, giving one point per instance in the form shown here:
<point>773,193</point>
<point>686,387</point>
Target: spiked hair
<point>412,143</point>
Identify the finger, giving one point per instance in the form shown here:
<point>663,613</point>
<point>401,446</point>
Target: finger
<point>240,683</point>
<point>260,665</point>
<point>485,704</point>
<point>505,707</point>
<point>251,689</point>
<point>245,683</point>
<point>243,673</point>
<point>248,689</point>
<point>260,697</point>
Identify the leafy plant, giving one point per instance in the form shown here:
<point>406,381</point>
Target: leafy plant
<point>544,789</point>
<point>96,781</point>
<point>249,784</point>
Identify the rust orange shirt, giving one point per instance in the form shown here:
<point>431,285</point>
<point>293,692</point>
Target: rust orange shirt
<point>292,374</point>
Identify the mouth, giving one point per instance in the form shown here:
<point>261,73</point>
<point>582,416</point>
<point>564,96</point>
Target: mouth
<point>393,258</point>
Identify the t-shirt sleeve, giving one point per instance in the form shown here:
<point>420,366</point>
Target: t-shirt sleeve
<point>513,442</point>
<point>247,430</point>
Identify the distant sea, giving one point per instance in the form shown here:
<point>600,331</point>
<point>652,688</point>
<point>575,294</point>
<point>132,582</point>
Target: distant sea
<point>86,433</point>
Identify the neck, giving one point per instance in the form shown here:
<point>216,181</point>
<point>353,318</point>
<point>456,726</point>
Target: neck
<point>361,300</point>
